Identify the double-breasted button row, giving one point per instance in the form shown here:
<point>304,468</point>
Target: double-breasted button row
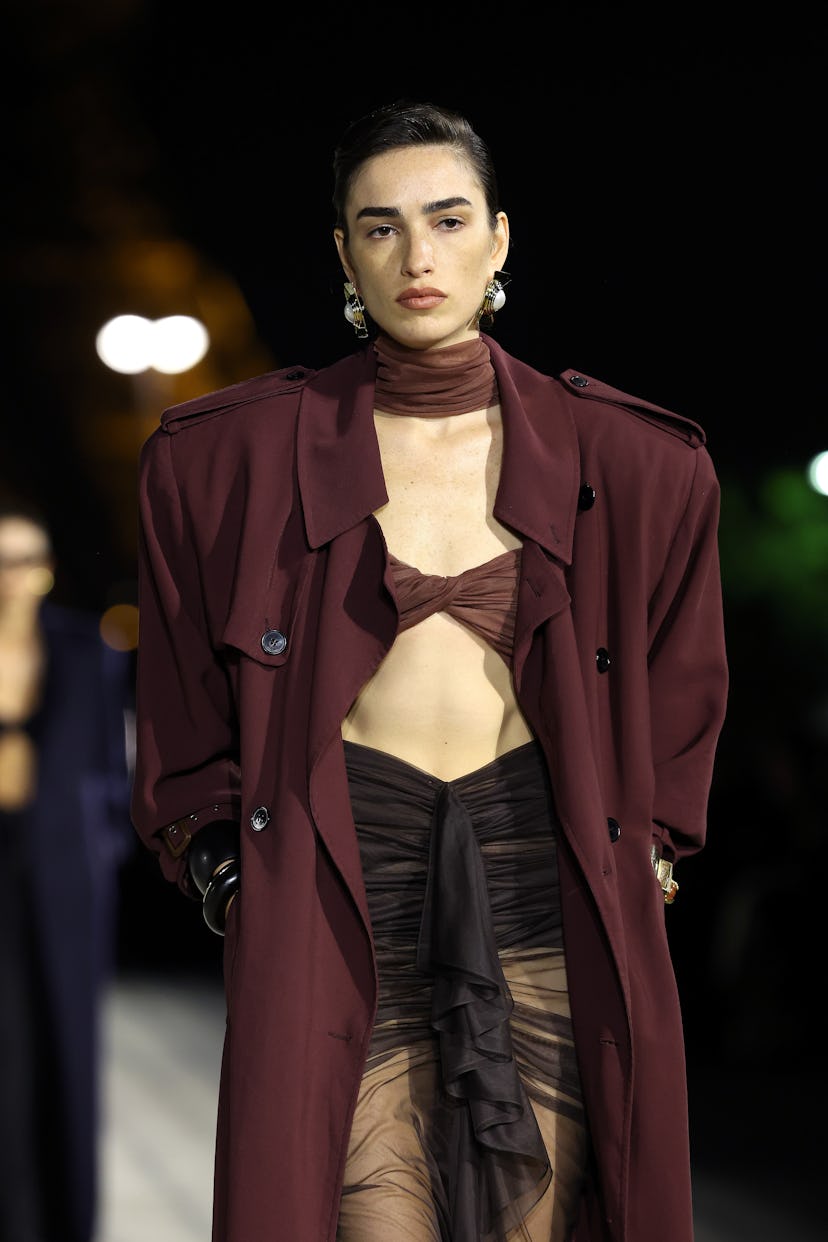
<point>273,642</point>
<point>260,818</point>
<point>586,499</point>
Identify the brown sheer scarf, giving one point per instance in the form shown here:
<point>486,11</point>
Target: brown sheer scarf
<point>432,383</point>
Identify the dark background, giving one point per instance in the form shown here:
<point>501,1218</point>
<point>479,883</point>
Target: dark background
<point>664,181</point>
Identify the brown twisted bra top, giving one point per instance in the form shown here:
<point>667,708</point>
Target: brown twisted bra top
<point>455,379</point>
<point>484,598</point>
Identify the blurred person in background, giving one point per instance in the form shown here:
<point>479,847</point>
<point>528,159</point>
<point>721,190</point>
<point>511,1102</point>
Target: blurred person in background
<point>64,794</point>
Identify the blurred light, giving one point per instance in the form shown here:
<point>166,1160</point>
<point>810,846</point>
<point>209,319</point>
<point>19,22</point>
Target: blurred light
<point>179,342</point>
<point>125,344</point>
<point>131,343</point>
<point>818,473</point>
<point>40,580</point>
<point>119,627</point>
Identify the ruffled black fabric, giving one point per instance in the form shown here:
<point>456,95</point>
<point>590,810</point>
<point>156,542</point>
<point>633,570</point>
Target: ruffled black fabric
<point>456,872</point>
<point>497,1148</point>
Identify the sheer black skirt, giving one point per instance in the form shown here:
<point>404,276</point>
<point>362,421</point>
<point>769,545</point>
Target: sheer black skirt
<point>469,1124</point>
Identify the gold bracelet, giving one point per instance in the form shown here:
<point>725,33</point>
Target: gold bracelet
<point>664,874</point>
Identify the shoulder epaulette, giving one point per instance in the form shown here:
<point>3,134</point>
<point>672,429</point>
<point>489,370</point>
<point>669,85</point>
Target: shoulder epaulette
<point>676,424</point>
<point>272,383</point>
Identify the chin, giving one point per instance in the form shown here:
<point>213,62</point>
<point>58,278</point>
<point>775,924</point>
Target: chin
<point>427,333</point>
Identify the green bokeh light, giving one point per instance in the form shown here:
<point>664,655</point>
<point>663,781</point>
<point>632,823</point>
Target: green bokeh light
<point>773,542</point>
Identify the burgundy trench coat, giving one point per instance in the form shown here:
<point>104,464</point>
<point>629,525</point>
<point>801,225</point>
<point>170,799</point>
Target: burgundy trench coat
<point>266,603</point>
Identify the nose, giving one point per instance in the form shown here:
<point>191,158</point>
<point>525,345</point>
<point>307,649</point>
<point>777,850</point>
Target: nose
<point>418,256</point>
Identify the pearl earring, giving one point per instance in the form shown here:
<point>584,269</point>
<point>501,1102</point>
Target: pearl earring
<point>354,310</point>
<point>494,299</point>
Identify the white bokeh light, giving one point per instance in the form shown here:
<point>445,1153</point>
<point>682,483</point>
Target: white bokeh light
<point>818,473</point>
<point>179,342</point>
<point>131,343</point>
<point>125,344</point>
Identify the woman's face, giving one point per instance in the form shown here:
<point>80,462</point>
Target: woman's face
<point>420,247</point>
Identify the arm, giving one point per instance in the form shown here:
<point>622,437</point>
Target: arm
<point>186,752</point>
<point>687,671</point>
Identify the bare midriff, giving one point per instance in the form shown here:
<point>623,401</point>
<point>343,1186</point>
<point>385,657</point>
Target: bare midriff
<point>442,699</point>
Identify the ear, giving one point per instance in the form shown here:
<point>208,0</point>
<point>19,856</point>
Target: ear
<point>500,241</point>
<point>342,251</point>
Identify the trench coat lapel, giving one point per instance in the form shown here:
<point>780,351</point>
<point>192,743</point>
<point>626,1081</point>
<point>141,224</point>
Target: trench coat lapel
<point>341,485</point>
<point>357,626</point>
<point>338,458</point>
<point>540,472</point>
<point>341,480</point>
<point>538,491</point>
<point>538,495</point>
<point>340,470</point>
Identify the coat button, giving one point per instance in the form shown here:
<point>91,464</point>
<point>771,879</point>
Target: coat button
<point>614,829</point>
<point>586,497</point>
<point>602,659</point>
<point>260,818</point>
<point>578,381</point>
<point>273,642</point>
<point>295,375</point>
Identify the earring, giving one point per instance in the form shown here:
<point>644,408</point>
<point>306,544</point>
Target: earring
<point>355,310</point>
<point>494,299</point>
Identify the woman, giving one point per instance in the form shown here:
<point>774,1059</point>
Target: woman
<point>64,827</point>
<point>442,635</point>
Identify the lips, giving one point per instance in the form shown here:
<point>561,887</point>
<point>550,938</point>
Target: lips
<point>421,299</point>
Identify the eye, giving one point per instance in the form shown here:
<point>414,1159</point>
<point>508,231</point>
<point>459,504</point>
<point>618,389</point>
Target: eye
<point>382,230</point>
<point>452,223</point>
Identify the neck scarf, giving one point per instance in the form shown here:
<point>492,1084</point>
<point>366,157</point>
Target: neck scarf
<point>432,383</point>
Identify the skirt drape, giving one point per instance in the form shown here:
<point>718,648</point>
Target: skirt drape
<point>469,1125</point>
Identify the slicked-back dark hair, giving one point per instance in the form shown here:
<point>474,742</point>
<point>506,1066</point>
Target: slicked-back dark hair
<point>406,123</point>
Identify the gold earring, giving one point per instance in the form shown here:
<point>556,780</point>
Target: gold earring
<point>355,310</point>
<point>494,299</point>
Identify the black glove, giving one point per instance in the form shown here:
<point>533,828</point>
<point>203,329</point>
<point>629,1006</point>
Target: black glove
<point>214,865</point>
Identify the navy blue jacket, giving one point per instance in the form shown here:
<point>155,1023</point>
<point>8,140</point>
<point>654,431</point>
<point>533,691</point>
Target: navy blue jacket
<point>78,833</point>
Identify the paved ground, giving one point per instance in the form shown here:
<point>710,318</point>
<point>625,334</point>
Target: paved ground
<point>163,1048</point>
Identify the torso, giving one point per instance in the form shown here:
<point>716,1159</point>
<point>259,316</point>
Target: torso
<point>442,699</point>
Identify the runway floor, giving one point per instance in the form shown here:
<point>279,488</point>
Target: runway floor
<point>162,1050</point>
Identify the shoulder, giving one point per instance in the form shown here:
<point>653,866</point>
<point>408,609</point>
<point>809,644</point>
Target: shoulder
<point>273,392</point>
<point>591,400</point>
<point>586,388</point>
<point>246,429</point>
<point>259,391</point>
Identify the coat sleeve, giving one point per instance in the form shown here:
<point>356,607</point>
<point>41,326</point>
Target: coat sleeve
<point>186,736</point>
<point>688,675</point>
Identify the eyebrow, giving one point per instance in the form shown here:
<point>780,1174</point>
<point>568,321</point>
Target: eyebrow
<point>439,204</point>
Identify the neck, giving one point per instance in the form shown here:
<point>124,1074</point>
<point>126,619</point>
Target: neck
<point>433,383</point>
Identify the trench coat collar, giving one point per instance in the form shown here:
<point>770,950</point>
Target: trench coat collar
<point>340,471</point>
